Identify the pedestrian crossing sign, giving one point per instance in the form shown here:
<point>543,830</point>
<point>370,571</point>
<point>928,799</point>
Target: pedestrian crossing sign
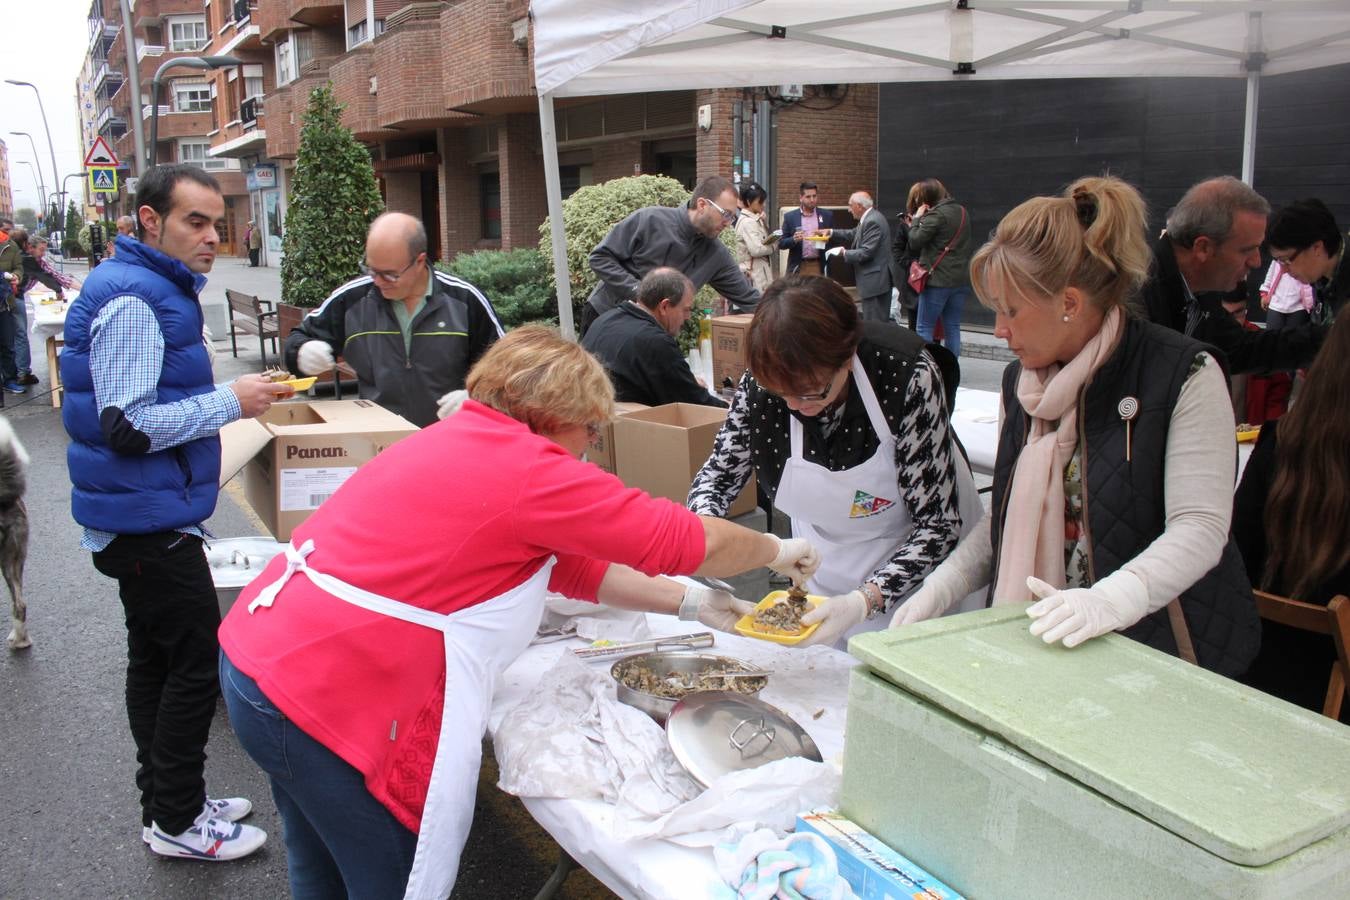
<point>103,181</point>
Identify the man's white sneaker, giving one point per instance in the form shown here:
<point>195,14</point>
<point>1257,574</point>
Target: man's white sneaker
<point>213,840</point>
<point>231,809</point>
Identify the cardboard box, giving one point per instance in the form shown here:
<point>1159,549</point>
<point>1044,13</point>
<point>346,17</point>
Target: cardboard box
<point>295,455</point>
<point>661,450</point>
<point>874,870</point>
<point>728,349</point>
<point>601,452</point>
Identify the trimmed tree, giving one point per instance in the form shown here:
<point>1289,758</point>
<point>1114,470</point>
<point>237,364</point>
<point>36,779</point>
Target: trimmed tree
<point>332,201</point>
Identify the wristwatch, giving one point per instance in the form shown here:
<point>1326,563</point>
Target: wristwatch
<point>876,602</point>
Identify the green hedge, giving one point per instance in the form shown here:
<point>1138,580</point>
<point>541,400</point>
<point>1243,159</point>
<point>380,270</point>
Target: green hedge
<point>517,282</point>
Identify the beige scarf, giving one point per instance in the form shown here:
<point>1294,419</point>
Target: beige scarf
<point>1033,523</point>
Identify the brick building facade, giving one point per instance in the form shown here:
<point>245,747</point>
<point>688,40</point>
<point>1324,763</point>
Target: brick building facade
<point>442,94</point>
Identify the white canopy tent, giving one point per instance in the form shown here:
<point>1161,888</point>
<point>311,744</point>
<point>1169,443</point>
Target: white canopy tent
<point>594,47</point>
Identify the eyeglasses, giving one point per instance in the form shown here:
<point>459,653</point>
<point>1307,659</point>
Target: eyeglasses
<point>1286,260</point>
<point>727,217</point>
<point>815,398</point>
<point>384,275</point>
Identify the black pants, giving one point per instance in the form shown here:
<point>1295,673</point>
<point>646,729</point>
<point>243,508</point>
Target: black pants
<point>253,256</point>
<point>8,328</point>
<point>172,649</point>
<point>588,316</point>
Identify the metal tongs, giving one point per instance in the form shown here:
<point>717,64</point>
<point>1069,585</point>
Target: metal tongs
<point>673,642</point>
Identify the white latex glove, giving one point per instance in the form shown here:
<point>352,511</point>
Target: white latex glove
<point>834,251</point>
<point>450,403</point>
<point>895,295</point>
<point>796,559</point>
<point>1075,615</point>
<point>315,357</point>
<point>958,575</point>
<point>716,609</point>
<point>836,616</point>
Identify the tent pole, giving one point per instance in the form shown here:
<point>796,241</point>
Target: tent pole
<point>1249,127</point>
<point>553,188</point>
<point>1256,58</point>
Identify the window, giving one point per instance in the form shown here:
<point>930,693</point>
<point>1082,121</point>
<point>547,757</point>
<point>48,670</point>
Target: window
<point>356,34</point>
<point>253,86</point>
<point>187,35</point>
<point>193,152</point>
<point>191,96</point>
<point>490,205</point>
<point>285,62</point>
<point>572,178</point>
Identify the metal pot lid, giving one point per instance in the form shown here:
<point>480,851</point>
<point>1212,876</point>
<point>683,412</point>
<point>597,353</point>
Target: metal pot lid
<point>712,733</point>
<point>235,562</point>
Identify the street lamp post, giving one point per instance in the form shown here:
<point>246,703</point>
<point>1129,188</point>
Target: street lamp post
<point>37,159</point>
<point>45,127</point>
<point>191,62</point>
<point>42,188</point>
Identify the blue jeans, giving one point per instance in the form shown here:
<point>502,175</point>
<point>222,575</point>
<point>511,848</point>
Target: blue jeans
<point>945,303</point>
<point>340,840</point>
<point>23,357</point>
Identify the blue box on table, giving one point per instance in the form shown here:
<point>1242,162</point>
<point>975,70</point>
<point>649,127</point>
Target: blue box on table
<point>874,870</point>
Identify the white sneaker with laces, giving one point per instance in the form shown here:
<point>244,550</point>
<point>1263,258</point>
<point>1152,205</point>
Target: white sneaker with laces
<point>212,840</point>
<point>230,809</point>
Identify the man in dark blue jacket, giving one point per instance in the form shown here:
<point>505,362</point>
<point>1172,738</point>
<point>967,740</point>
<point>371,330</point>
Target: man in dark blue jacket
<point>143,417</point>
<point>805,256</point>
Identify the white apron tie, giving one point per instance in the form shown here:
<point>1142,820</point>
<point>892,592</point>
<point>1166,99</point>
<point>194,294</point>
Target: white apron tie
<point>480,641</point>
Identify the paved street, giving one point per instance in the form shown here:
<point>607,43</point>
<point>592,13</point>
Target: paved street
<point>70,818</point>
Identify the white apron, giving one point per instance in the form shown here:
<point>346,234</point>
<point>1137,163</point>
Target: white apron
<point>856,517</point>
<point>480,641</point>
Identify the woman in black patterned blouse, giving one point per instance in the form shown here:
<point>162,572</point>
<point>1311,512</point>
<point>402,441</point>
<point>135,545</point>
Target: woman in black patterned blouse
<point>845,424</point>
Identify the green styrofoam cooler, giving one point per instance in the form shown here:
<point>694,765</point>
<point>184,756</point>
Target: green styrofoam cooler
<point>1010,768</point>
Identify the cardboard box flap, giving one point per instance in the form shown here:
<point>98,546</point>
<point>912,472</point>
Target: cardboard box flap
<point>1246,776</point>
<point>240,441</point>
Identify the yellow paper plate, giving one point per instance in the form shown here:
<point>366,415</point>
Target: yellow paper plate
<point>1245,436</point>
<point>820,239</point>
<point>300,384</point>
<point>746,625</point>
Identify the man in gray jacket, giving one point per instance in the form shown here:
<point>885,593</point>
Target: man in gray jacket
<point>869,252</point>
<point>683,238</point>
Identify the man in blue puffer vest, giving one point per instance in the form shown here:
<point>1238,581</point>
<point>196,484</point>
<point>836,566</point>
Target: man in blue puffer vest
<point>143,417</point>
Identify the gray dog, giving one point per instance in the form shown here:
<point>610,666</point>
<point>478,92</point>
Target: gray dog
<point>14,528</point>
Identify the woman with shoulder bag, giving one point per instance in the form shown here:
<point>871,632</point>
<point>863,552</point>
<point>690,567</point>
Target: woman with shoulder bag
<point>940,238</point>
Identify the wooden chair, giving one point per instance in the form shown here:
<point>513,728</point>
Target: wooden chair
<point>1332,619</point>
<point>254,316</point>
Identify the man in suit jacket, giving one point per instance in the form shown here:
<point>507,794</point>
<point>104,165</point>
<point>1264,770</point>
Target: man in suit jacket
<point>805,257</point>
<point>869,252</point>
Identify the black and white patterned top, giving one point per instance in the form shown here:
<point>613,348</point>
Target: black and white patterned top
<point>755,438</point>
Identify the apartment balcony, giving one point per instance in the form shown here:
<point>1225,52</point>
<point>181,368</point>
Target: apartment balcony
<point>104,75</point>
<point>174,125</point>
<point>110,123</point>
<point>272,21</point>
<point>315,13</point>
<point>150,13</point>
<point>101,36</point>
<point>354,87</point>
<point>406,98</point>
<point>149,51</point>
<point>246,36</point>
<point>283,138</point>
<point>483,71</point>
<point>249,111</point>
<point>239,142</point>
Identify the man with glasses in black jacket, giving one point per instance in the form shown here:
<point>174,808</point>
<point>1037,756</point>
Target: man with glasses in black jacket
<point>409,331</point>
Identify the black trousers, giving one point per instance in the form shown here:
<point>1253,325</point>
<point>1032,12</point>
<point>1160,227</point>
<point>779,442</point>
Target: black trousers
<point>172,684</point>
<point>253,257</point>
<point>8,328</point>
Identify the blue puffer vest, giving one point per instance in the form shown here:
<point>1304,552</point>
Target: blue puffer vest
<point>161,491</point>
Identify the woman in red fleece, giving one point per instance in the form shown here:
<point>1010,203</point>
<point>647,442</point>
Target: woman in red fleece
<point>358,667</point>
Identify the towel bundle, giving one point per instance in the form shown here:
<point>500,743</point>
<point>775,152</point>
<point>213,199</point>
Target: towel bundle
<point>763,866</point>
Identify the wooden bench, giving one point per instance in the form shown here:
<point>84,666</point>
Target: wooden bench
<point>254,316</point>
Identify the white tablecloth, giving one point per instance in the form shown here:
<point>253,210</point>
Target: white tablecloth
<point>660,868</point>
<point>976,422</point>
<point>47,319</point>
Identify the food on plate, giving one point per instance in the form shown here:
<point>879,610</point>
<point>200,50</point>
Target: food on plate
<point>1246,432</point>
<point>785,616</point>
<point>281,376</point>
<point>638,676</point>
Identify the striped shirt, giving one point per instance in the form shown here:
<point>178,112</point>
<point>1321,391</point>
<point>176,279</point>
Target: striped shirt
<point>126,356</point>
